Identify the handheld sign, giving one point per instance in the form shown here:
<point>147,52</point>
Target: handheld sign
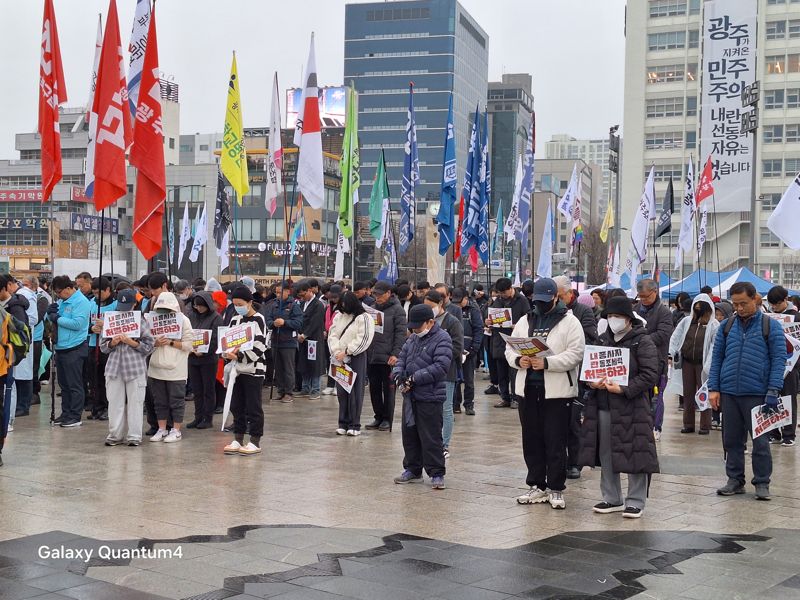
<point>122,323</point>
<point>168,325</point>
<point>764,423</point>
<point>238,337</point>
<point>377,317</point>
<point>792,329</point>
<point>604,362</point>
<point>500,317</point>
<point>344,376</point>
<point>526,346</point>
<point>701,398</point>
<point>201,340</point>
<point>792,353</point>
<point>781,318</point>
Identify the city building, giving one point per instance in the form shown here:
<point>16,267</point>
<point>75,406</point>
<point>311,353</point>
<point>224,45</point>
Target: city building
<point>199,148</point>
<point>661,126</point>
<point>592,151</point>
<point>510,113</point>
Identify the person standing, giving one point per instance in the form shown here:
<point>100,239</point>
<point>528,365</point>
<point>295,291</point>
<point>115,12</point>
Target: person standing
<point>71,315</point>
<point>285,319</point>
<point>6,362</point>
<point>778,299</point>
<point>102,302</point>
<point>448,306</point>
<point>332,297</point>
<point>472,324</point>
<point>547,387</point>
<point>126,378</point>
<point>311,340</point>
<point>22,304</point>
<point>509,298</point>
<point>43,300</point>
<point>348,340</point>
<point>617,431</point>
<point>747,366</point>
<point>361,290</point>
<point>419,374</point>
<point>203,366</point>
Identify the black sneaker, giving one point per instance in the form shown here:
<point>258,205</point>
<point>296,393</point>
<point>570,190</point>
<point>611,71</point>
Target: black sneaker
<point>605,508</point>
<point>503,404</point>
<point>71,423</point>
<point>631,512</point>
<point>469,410</point>
<point>192,424</point>
<point>457,411</point>
<point>573,472</point>
<point>58,419</point>
<point>374,425</point>
<point>385,426</point>
<point>102,416</point>
<point>151,432</point>
<point>514,404</point>
<point>492,390</point>
<point>732,487</point>
<point>205,425</point>
<point>762,491</point>
<point>21,413</point>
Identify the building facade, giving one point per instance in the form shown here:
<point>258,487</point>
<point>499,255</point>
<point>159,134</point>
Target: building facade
<point>593,151</point>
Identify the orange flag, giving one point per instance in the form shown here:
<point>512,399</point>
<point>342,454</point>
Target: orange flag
<point>705,187</point>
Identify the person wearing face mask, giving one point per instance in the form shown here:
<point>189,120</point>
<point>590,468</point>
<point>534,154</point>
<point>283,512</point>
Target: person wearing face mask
<point>203,367</point>
<point>690,351</point>
<point>507,297</point>
<point>102,301</point>
<point>420,376</point>
<point>778,299</point>
<point>251,366</point>
<point>617,430</point>
<point>285,318</point>
<point>547,388</point>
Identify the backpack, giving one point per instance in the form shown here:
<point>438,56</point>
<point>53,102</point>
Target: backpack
<point>19,337</point>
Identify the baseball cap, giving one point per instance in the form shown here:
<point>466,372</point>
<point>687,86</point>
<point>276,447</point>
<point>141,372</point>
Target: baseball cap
<point>418,315</point>
<point>544,290</point>
<point>126,300</point>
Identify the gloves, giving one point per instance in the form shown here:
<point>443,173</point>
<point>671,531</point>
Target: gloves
<point>771,400</point>
<point>52,312</point>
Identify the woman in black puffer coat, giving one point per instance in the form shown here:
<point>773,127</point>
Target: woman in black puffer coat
<point>617,430</point>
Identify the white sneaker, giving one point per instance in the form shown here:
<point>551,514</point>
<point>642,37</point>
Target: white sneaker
<point>173,436</point>
<point>657,435</point>
<point>10,427</point>
<point>353,432</point>
<point>250,449</point>
<point>556,500</point>
<point>160,435</point>
<point>341,431</point>
<point>533,496</point>
<point>446,453</point>
<point>329,391</point>
<point>232,448</point>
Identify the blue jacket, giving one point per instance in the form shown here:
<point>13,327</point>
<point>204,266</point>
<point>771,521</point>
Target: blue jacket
<point>285,337</point>
<point>743,363</point>
<point>428,360</point>
<point>73,321</point>
<point>109,306</point>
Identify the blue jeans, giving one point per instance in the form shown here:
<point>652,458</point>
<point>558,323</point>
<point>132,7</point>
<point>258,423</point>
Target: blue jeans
<point>447,413</point>
<point>736,425</point>
<point>311,384</point>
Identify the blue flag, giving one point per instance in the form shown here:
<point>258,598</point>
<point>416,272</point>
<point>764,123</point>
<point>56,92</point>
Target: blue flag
<point>527,187</point>
<point>485,194</point>
<point>389,271</point>
<point>498,234</point>
<point>170,237</point>
<point>446,218</point>
<point>471,190</point>
<point>408,202</point>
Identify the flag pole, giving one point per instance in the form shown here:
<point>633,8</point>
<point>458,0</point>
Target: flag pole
<point>716,240</point>
<point>236,266</point>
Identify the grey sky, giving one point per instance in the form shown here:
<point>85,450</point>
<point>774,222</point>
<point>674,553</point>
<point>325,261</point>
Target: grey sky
<point>573,48</point>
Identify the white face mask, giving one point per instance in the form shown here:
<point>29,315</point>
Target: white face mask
<point>436,311</point>
<point>617,324</point>
<point>423,333</point>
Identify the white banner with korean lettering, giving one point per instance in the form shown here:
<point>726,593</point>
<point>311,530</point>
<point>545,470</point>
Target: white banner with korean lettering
<point>729,65</point>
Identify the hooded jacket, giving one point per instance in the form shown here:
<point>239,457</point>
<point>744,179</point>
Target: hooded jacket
<point>208,320</point>
<point>351,334</point>
<point>390,342</point>
<point>427,359</point>
<point>679,337</point>
<point>659,326</point>
<point>169,363</point>
<point>285,337</point>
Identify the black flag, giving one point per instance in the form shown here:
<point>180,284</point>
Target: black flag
<point>664,224</point>
<point>222,212</point>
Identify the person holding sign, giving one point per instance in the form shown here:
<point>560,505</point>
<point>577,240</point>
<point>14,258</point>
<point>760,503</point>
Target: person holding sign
<point>168,370</point>
<point>349,338</point>
<point>251,367</point>
<point>617,430</point>
<point>285,318</point>
<point>203,365</point>
<point>503,314</point>
<point>102,301</point>
<point>547,386</point>
<point>126,376</point>
<point>778,299</point>
<point>747,367</point>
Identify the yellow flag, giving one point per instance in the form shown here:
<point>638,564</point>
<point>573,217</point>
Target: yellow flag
<point>608,222</point>
<point>234,156</point>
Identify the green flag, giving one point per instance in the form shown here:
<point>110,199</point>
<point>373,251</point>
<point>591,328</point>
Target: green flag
<point>349,165</point>
<point>379,202</point>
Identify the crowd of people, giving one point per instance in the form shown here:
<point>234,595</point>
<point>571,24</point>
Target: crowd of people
<point>425,341</point>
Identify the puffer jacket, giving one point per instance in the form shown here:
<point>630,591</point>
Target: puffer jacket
<point>455,330</point>
<point>743,363</point>
<point>472,323</point>
<point>519,306</point>
<point>352,334</point>
<point>208,320</point>
<point>169,363</point>
<point>679,336</point>
<point>428,359</point>
<point>390,342</point>
<point>286,336</point>
<point>633,447</point>
<point>659,326</point>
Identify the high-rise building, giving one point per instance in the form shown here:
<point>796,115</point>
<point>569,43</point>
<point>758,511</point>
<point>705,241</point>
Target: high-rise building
<point>592,151</point>
<point>442,49</point>
<point>663,74</point>
<point>510,112</point>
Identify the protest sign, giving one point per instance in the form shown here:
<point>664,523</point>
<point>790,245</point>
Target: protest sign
<point>344,376</point>
<point>237,338</point>
<point>764,423</point>
<point>604,362</point>
<point>201,340</point>
<point>793,353</point>
<point>168,325</point>
<point>122,323</point>
<point>377,317</point>
<point>781,318</point>
<point>701,398</point>
<point>500,317</point>
<point>526,346</point>
<point>791,329</point>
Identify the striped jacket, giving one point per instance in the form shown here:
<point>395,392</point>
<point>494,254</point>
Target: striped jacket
<point>254,361</point>
<point>353,338</point>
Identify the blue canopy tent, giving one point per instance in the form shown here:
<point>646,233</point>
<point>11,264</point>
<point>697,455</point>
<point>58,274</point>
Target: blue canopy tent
<point>720,283</point>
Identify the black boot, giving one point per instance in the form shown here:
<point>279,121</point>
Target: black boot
<point>375,424</point>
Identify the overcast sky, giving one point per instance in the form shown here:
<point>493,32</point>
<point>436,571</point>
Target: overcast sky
<point>574,49</point>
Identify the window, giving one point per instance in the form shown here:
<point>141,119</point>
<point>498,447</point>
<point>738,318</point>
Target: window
<point>218,145</point>
<point>664,172</point>
<point>776,30</point>
<point>172,143</point>
<point>691,140</point>
<point>792,133</point>
<point>694,38</point>
<point>203,147</point>
<point>773,99</point>
<point>247,230</point>
<point>186,148</point>
<point>665,107</point>
<point>769,239</point>
<point>794,29</point>
<point>694,7</point>
<point>791,167</point>
<point>670,73</point>
<point>666,40</point>
<point>773,2</point>
<point>772,167</point>
<point>275,229</point>
<point>667,8</point>
<point>793,63</point>
<point>691,106</point>
<point>661,141</point>
<point>773,134</point>
<point>770,201</point>
<point>776,63</point>
<point>793,98</point>
<point>398,14</point>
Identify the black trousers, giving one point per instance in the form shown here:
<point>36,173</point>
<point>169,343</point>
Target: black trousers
<point>545,429</point>
<point>574,431</point>
<point>381,391</point>
<point>468,384</point>
<point>505,377</point>
<point>492,367</point>
<point>37,359</point>
<point>284,370</point>
<point>351,403</point>
<point>246,406</point>
<point>201,379</point>
<point>422,442</point>
<point>97,369</point>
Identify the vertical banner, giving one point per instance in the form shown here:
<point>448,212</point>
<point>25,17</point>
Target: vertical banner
<point>729,65</point>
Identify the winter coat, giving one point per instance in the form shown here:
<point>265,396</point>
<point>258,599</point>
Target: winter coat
<point>390,342</point>
<point>566,342</point>
<point>24,370</point>
<point>313,329</point>
<point>472,323</point>
<point>659,327</point>
<point>455,330</point>
<point>519,306</point>
<point>285,337</point>
<point>169,363</point>
<point>633,447</point>
<point>428,360</point>
<point>353,334</point>
<point>73,321</point>
<point>679,336</point>
<point>743,363</point>
<point>208,320</point>
<point>585,315</point>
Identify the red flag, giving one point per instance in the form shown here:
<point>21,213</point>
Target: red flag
<point>147,154</point>
<point>473,258</point>
<point>705,187</point>
<point>113,118</point>
<point>52,92</point>
<point>457,245</point>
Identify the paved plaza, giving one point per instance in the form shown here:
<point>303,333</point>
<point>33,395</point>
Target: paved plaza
<point>317,516</point>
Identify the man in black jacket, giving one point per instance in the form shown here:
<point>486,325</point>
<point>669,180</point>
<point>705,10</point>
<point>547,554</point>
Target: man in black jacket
<point>382,355</point>
<point>310,356</point>
<point>449,306</point>
<point>507,298</point>
<point>473,340</point>
<point>778,299</point>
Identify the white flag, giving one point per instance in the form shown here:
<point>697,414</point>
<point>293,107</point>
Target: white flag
<point>200,236</point>
<point>138,43</point>
<point>687,217</point>
<point>614,274</point>
<point>566,205</point>
<point>545,266</point>
<point>641,222</point>
<point>785,219</point>
<point>275,157</point>
<point>342,246</point>
<point>310,181</point>
<point>222,251</point>
<point>513,221</point>
<point>91,117</point>
<point>701,236</point>
<point>186,232</point>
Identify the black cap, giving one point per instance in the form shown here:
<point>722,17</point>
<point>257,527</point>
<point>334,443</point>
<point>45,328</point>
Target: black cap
<point>418,315</point>
<point>381,287</point>
<point>619,305</point>
<point>457,296</point>
<point>544,290</point>
<point>126,300</point>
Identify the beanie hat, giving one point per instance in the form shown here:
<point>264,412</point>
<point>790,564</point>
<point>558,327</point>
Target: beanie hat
<point>242,293</point>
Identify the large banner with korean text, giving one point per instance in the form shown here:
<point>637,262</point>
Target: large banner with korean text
<point>729,65</point>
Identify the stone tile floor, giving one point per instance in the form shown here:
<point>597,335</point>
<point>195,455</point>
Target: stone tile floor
<point>316,516</point>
